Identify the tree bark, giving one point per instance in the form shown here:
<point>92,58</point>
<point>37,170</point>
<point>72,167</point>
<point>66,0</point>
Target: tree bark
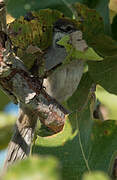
<point>20,144</point>
<point>28,92</point>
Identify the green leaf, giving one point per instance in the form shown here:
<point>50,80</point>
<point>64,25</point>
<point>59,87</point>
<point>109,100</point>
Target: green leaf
<point>103,9</point>
<point>105,73</point>
<point>104,45</point>
<point>73,53</point>
<point>29,5</point>
<point>42,168</point>
<point>18,8</point>
<point>34,34</point>
<point>80,146</point>
<point>109,101</point>
<point>95,176</point>
<point>80,97</point>
<point>91,3</point>
<point>89,22</point>
<point>92,26</point>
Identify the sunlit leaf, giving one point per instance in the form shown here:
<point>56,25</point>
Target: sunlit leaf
<point>42,168</point>
<point>95,175</point>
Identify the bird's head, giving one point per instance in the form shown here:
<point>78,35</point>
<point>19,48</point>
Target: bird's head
<point>57,53</point>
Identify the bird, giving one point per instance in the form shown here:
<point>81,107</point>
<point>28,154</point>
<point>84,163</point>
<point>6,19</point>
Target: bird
<point>64,80</point>
<point>43,55</point>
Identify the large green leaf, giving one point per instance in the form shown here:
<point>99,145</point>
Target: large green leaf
<point>105,73</point>
<point>80,96</point>
<point>103,9</point>
<point>104,45</point>
<point>83,145</point>
<point>89,22</point>
<point>77,101</point>
<point>42,168</point>
<point>35,36</point>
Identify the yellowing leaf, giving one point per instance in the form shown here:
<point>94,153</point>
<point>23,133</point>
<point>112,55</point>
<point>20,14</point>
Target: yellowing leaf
<point>73,53</point>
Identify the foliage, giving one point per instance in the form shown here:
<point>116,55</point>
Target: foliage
<point>30,38</point>
<point>85,144</point>
<point>79,146</point>
<point>106,76</point>
<point>38,168</point>
<point>96,176</point>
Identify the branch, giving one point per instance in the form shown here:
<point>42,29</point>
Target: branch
<point>20,144</point>
<point>26,90</point>
<point>32,98</point>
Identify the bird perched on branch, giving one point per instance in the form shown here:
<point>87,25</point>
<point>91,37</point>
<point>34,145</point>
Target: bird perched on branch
<point>35,40</point>
<point>62,83</point>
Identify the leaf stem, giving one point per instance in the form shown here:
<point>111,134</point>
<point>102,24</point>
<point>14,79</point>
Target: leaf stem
<point>82,150</point>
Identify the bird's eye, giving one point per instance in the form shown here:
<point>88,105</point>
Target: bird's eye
<point>69,28</point>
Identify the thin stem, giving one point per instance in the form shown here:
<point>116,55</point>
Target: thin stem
<point>82,150</point>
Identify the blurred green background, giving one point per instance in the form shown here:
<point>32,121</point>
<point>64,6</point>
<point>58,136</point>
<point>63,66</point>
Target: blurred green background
<point>108,101</point>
